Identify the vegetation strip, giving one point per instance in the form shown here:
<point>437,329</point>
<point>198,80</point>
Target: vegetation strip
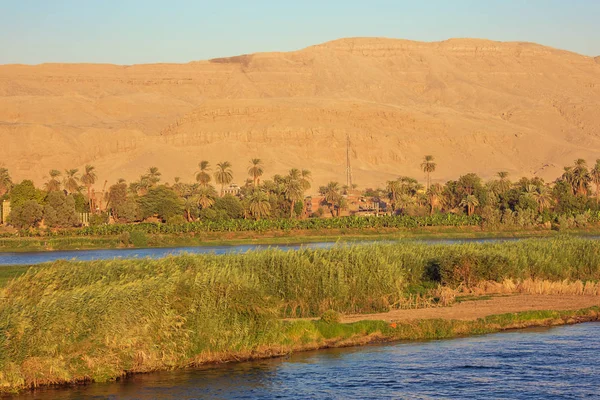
<point>142,240</point>
<point>305,335</point>
<point>149,206</point>
<point>68,322</point>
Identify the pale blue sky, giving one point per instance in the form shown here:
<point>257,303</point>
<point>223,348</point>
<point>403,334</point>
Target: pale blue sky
<point>137,31</point>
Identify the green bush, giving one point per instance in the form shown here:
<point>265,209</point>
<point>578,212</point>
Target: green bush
<point>59,211</point>
<point>98,219</point>
<point>138,238</point>
<point>331,317</point>
<point>161,202</point>
<point>26,215</point>
<point>125,238</point>
<point>176,220</point>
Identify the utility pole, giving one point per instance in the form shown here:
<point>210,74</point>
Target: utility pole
<point>348,167</point>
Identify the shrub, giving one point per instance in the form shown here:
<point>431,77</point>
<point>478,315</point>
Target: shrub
<point>128,211</point>
<point>27,215</point>
<point>25,191</point>
<point>125,238</point>
<point>176,220</point>
<point>231,205</point>
<point>331,317</point>
<point>138,238</point>
<point>161,202</point>
<point>59,211</point>
<point>98,219</point>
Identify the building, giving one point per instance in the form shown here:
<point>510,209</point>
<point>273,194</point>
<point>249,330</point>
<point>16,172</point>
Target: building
<point>233,189</point>
<point>4,211</point>
<point>312,204</point>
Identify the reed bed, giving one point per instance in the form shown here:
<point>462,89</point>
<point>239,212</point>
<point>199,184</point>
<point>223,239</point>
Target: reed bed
<point>78,321</point>
<point>530,286</point>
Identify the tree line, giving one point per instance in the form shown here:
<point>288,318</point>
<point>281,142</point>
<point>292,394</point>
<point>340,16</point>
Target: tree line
<point>526,201</point>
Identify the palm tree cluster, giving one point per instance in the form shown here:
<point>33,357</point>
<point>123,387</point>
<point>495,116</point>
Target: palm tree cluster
<point>570,193</point>
<point>257,199</point>
<point>283,196</point>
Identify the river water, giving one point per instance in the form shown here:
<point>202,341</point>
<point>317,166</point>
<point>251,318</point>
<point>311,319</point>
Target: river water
<point>544,363</point>
<point>32,258</point>
<point>38,257</point>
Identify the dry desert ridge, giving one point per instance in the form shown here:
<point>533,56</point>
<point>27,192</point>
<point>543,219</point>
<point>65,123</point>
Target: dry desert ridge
<point>475,105</point>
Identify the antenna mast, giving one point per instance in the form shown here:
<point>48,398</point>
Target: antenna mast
<point>348,167</point>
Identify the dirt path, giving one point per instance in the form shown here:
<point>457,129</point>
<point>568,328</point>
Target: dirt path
<point>470,310</point>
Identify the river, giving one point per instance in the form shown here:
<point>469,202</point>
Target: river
<point>543,363</point>
<point>38,257</point>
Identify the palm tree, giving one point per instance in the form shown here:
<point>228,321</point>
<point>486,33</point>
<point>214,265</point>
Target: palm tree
<point>256,170</point>
<point>581,177</point>
<point>503,184</point>
<point>190,204</point>
<point>205,196</point>
<point>405,200</point>
<point>569,177</point>
<point>595,175</point>
<point>88,179</point>
<point>182,189</point>
<point>542,196</point>
<point>223,175</point>
<point>53,185</point>
<point>258,204</point>
<point>203,176</point>
<point>305,178</point>
<point>394,188</point>
<point>293,190</point>
<point>435,197</point>
<point>428,166</point>
<point>5,181</point>
<point>332,195</point>
<point>470,202</point>
<point>71,180</point>
<point>153,176</point>
<point>341,204</point>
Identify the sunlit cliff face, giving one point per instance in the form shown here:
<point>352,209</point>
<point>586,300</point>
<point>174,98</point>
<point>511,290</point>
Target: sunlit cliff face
<point>475,105</point>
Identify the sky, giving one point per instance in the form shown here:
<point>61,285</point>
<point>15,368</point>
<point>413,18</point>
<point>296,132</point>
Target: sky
<point>146,31</point>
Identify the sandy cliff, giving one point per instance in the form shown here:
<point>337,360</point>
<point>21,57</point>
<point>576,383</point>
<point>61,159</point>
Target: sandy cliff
<point>476,105</point>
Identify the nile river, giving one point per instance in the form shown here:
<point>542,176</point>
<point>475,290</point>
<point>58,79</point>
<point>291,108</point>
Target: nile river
<point>32,258</point>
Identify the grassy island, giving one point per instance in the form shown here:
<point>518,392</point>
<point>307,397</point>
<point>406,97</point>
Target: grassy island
<point>69,322</point>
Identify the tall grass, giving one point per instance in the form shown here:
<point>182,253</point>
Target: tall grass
<point>69,321</point>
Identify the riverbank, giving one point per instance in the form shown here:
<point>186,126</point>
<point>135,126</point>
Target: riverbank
<point>69,322</point>
<point>54,243</point>
<point>306,335</point>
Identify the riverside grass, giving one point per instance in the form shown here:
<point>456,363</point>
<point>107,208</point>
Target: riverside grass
<point>69,322</point>
<point>264,225</point>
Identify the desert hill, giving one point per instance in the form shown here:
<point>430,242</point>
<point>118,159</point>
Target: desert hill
<point>476,105</point>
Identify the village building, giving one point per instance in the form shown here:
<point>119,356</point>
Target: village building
<point>233,189</point>
<point>4,211</point>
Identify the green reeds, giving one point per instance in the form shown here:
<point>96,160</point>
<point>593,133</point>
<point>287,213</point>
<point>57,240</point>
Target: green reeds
<point>78,321</point>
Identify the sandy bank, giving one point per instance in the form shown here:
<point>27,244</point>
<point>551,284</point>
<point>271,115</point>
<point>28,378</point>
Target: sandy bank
<point>472,310</point>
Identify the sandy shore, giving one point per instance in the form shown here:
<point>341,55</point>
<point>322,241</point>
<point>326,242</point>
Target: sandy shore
<point>471,310</point>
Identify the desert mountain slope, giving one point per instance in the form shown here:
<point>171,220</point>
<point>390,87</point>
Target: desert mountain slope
<point>476,105</point>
